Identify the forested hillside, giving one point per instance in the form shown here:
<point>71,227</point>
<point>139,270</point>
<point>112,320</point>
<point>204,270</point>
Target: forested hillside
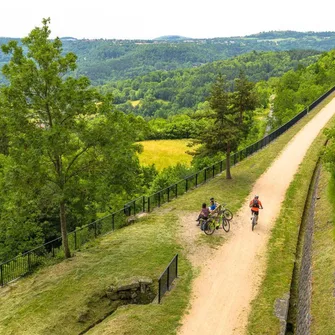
<point>165,93</point>
<point>298,88</point>
<point>105,60</point>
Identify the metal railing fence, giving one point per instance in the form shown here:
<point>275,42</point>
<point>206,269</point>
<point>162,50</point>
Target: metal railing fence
<point>167,277</point>
<point>28,261</point>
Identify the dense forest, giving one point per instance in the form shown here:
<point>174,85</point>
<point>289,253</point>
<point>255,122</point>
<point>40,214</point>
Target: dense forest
<point>165,93</point>
<point>110,60</point>
<point>69,143</point>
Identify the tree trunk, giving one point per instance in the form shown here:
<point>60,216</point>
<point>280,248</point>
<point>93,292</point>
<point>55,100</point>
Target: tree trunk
<point>64,230</point>
<point>228,175</point>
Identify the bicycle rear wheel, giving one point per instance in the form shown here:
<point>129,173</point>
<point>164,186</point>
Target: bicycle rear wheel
<point>253,222</point>
<point>225,224</point>
<point>228,214</point>
<point>209,227</point>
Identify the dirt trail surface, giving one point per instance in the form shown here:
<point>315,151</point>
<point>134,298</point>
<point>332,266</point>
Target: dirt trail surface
<point>230,279</point>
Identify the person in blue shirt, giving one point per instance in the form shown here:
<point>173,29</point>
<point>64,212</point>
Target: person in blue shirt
<point>212,205</point>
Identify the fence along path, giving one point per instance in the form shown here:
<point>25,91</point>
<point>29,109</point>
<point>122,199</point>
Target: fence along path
<point>28,261</point>
<point>231,277</point>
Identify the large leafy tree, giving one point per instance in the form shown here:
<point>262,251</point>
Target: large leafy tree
<point>64,139</point>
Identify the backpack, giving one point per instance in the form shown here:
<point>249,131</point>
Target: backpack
<point>255,203</point>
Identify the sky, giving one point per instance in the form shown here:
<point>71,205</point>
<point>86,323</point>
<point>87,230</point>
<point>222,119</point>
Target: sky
<point>148,19</point>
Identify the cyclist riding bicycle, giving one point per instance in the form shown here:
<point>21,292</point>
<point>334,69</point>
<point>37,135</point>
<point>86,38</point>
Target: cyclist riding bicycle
<point>255,205</point>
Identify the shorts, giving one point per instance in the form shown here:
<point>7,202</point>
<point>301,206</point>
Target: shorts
<point>256,212</point>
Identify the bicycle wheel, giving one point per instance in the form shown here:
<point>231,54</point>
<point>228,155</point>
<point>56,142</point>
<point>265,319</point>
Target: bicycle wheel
<point>228,214</point>
<point>253,222</point>
<point>209,227</point>
<point>225,224</point>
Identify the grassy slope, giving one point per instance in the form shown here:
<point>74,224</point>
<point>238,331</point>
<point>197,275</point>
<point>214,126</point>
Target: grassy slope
<point>59,294</point>
<point>283,242</point>
<point>165,153</point>
<point>323,300</point>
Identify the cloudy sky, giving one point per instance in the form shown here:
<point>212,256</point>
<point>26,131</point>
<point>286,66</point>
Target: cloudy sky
<point>146,19</point>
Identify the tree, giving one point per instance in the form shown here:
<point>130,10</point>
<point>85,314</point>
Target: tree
<point>62,133</point>
<point>221,133</point>
<point>230,117</point>
<point>244,100</point>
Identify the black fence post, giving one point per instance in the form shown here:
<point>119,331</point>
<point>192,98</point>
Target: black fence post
<point>168,279</point>
<point>95,229</point>
<point>176,190</point>
<point>159,199</point>
<point>186,185</point>
<point>221,166</point>
<point>168,195</point>
<point>134,207</point>
<point>1,275</point>
<point>196,180</point>
<point>113,222</point>
<point>205,174</point>
<point>213,171</point>
<point>143,204</point>
<point>148,204</point>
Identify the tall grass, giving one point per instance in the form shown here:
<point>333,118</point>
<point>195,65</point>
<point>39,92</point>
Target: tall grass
<point>165,153</point>
<point>323,259</point>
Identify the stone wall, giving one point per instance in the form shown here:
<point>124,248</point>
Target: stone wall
<point>132,291</point>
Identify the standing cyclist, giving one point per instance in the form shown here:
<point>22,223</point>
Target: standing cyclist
<point>255,205</point>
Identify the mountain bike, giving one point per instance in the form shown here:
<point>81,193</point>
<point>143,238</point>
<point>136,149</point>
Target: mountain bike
<point>254,219</point>
<point>225,223</point>
<point>208,225</point>
<point>226,212</point>
<point>212,223</point>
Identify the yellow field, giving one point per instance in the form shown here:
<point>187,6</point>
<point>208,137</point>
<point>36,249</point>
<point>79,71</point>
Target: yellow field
<point>165,153</point>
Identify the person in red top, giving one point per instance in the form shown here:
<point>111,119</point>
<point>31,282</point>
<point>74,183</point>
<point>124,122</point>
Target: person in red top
<point>255,205</point>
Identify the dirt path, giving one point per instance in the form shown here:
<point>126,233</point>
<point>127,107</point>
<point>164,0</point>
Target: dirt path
<point>229,281</point>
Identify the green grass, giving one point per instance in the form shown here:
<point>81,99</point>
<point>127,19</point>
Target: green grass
<point>283,242</point>
<point>51,300</point>
<point>323,259</point>
<point>165,153</point>
<point>135,103</point>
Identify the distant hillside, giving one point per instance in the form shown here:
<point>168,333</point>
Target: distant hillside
<point>111,60</point>
<point>172,38</point>
<point>164,93</point>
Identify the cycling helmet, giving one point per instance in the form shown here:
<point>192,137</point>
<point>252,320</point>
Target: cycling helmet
<point>256,196</point>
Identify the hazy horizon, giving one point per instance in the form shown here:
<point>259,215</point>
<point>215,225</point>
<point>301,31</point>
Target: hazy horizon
<point>147,20</point>
<point>175,35</point>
